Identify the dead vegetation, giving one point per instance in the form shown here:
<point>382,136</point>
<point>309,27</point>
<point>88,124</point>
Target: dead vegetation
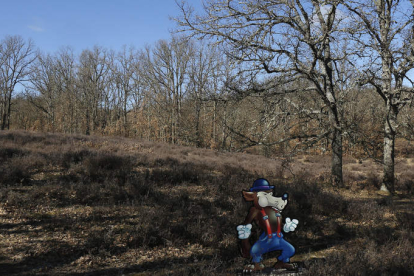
<point>78,205</point>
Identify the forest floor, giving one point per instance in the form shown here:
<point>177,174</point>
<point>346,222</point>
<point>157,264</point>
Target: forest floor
<point>80,205</point>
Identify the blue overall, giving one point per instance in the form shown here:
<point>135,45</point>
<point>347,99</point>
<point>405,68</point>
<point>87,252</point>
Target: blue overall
<point>264,245</point>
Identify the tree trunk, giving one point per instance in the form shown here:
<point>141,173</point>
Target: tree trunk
<point>224,122</point>
<point>336,165</point>
<point>172,124</point>
<point>9,107</point>
<point>390,118</point>
<point>126,128</point>
<point>213,125</point>
<point>3,124</point>
<point>334,116</point>
<point>4,113</point>
<point>389,148</point>
<point>197,122</point>
<point>87,131</point>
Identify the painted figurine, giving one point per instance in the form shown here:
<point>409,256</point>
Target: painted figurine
<point>266,212</point>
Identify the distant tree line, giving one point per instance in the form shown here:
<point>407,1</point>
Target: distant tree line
<point>281,77</point>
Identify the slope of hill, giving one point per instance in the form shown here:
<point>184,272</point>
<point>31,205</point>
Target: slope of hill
<point>76,205</point>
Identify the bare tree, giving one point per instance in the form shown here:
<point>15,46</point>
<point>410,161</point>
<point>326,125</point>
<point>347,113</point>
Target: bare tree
<point>167,73</point>
<point>65,67</point>
<point>127,83</point>
<point>385,34</point>
<point>43,93</point>
<point>94,70</point>
<point>206,68</point>
<point>296,40</point>
<point>16,55</point>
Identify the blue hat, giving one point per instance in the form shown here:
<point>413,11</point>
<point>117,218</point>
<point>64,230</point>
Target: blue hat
<point>261,184</point>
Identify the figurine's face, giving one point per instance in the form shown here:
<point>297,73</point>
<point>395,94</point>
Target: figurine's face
<point>266,199</point>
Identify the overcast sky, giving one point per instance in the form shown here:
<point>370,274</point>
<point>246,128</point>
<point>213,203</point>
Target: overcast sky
<point>82,24</point>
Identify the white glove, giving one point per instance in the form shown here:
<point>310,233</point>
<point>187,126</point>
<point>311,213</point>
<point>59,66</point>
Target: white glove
<point>244,231</point>
<point>290,225</point>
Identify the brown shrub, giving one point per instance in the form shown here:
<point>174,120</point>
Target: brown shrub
<point>15,198</point>
<point>405,182</point>
<point>100,242</point>
<point>175,173</point>
<point>8,153</point>
<point>392,257</point>
<point>406,186</point>
<point>353,177</point>
<point>348,160</point>
<point>361,211</point>
<point>108,166</point>
<point>307,195</point>
<point>404,148</point>
<point>15,171</point>
<point>70,157</point>
<point>154,183</point>
<point>373,181</point>
<point>406,220</point>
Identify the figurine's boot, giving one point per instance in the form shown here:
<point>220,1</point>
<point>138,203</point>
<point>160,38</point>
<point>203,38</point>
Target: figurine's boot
<point>288,266</point>
<point>253,267</point>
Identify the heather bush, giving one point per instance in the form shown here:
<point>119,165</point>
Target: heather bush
<point>405,182</point>
<point>406,186</point>
<point>365,211</point>
<point>393,257</point>
<point>151,232</point>
<point>373,181</point>
<point>8,153</point>
<point>71,158</point>
<point>22,138</point>
<point>15,171</point>
<point>176,173</point>
<point>15,198</point>
<point>103,166</point>
<point>168,162</point>
<point>406,220</point>
<point>100,242</point>
<point>115,199</point>
<point>307,195</point>
<point>351,178</point>
<point>404,148</point>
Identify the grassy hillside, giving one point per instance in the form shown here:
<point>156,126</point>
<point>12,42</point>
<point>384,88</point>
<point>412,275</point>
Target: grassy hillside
<point>76,205</point>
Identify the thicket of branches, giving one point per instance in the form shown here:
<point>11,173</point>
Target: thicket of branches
<point>281,76</point>
<point>330,46</point>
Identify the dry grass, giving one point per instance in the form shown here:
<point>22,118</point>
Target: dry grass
<point>78,205</point>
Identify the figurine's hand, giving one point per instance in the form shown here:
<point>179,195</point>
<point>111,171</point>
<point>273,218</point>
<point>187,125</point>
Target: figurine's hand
<point>244,231</point>
<point>290,225</point>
